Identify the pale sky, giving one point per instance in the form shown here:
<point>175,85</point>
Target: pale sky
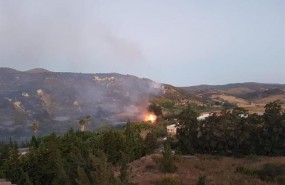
<point>179,42</point>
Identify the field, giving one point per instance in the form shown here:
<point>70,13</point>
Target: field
<point>218,170</point>
<point>255,106</point>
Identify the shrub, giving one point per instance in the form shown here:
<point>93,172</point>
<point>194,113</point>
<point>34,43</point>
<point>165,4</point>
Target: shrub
<point>247,171</point>
<point>281,180</point>
<point>168,181</point>
<point>271,172</point>
<point>167,162</point>
<point>202,180</point>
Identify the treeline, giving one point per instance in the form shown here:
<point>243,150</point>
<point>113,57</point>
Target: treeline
<point>87,158</point>
<point>81,158</point>
<point>233,132</point>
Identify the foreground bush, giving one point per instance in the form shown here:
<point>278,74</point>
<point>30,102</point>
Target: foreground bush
<point>168,181</point>
<point>269,172</point>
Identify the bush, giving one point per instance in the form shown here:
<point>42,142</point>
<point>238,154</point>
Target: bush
<point>168,181</point>
<point>167,162</point>
<point>269,172</point>
<point>247,171</point>
<point>281,180</point>
<point>202,180</point>
<point>272,172</point>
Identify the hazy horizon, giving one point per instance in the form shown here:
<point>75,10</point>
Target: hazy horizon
<point>141,77</point>
<point>181,43</point>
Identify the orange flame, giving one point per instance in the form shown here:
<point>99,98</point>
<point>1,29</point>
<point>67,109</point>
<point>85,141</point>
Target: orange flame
<point>150,118</point>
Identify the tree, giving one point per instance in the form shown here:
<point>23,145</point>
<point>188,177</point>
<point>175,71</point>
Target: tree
<point>101,172</point>
<point>112,145</point>
<point>273,109</point>
<point>11,166</point>
<point>130,141</point>
<point>82,177</point>
<point>156,109</point>
<point>274,129</point>
<point>187,130</point>
<point>124,168</point>
<point>167,162</point>
<point>60,176</point>
<point>35,142</point>
<point>150,143</point>
<point>134,142</point>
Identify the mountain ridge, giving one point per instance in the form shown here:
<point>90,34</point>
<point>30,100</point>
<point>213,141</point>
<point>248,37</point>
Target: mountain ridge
<point>57,100</point>
<point>231,85</point>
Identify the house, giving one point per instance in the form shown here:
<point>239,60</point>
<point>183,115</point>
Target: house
<point>171,129</point>
<point>204,116</point>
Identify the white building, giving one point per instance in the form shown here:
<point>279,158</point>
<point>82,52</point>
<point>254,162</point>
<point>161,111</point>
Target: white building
<point>203,116</point>
<point>171,129</point>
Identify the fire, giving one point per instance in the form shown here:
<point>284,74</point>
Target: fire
<point>150,118</point>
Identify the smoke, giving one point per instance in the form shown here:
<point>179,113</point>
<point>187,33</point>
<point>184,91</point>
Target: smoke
<point>71,36</point>
<point>65,34</point>
<point>116,96</point>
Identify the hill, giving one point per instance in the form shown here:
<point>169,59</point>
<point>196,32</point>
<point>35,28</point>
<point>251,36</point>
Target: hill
<point>58,100</point>
<point>216,169</point>
<point>252,96</point>
<point>38,70</point>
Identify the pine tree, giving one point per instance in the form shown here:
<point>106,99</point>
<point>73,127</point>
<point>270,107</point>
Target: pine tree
<point>101,172</point>
<point>167,161</point>
<point>124,168</point>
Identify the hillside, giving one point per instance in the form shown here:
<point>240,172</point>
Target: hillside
<point>216,169</point>
<point>252,96</point>
<point>57,100</point>
<point>247,85</point>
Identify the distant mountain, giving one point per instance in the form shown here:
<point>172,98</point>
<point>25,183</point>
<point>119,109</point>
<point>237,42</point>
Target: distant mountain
<point>251,86</point>
<point>38,70</point>
<point>57,100</point>
<point>251,95</point>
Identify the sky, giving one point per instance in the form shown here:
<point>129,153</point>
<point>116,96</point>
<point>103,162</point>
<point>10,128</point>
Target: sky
<point>178,42</point>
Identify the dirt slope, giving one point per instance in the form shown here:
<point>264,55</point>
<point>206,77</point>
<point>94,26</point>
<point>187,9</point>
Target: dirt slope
<point>218,170</point>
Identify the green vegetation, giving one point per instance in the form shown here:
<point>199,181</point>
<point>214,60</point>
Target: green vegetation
<point>273,172</point>
<point>202,180</point>
<point>269,172</point>
<point>103,157</point>
<point>168,181</point>
<point>167,161</point>
<point>234,132</point>
<point>75,158</point>
<point>247,171</point>
<point>156,109</point>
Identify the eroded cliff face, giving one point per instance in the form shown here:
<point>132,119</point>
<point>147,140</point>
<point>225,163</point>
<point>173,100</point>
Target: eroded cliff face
<point>46,99</point>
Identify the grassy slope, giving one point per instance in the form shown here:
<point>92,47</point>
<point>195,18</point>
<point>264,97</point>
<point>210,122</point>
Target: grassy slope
<point>218,170</point>
<point>252,96</point>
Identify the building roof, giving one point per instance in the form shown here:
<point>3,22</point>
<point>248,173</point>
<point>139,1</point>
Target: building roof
<point>171,126</point>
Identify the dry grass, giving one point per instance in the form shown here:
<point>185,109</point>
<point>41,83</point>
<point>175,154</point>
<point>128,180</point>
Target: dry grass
<point>269,99</point>
<point>253,107</point>
<point>239,90</point>
<point>218,170</point>
<point>232,99</point>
